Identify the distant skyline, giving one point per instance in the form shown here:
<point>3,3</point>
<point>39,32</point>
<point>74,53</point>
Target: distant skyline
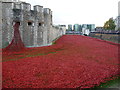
<point>80,11</point>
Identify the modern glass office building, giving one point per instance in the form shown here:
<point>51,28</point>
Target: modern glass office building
<point>91,27</point>
<point>70,27</point>
<point>84,26</point>
<point>80,27</point>
<point>76,27</point>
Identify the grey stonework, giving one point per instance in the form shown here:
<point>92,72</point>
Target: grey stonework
<point>7,22</point>
<point>0,24</point>
<point>36,27</point>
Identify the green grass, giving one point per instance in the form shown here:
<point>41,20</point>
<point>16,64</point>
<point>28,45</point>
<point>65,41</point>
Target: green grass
<point>109,84</point>
<point>13,59</point>
<point>30,55</point>
<point>39,54</point>
<point>53,42</point>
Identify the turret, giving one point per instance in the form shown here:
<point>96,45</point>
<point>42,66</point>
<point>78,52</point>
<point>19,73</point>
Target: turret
<point>50,12</point>
<point>17,6</point>
<point>46,11</point>
<point>38,8</point>
<point>9,0</point>
<point>48,15</point>
<point>25,6</point>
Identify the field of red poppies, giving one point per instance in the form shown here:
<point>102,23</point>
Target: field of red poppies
<point>73,61</point>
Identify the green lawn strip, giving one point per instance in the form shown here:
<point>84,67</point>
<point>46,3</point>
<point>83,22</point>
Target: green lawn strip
<point>32,55</point>
<point>109,83</point>
<point>39,54</point>
<point>13,59</point>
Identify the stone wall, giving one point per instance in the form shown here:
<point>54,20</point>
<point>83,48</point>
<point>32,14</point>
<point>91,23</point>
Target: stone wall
<point>0,24</point>
<point>36,27</point>
<point>7,22</point>
<point>48,22</point>
<point>55,32</point>
<point>108,37</point>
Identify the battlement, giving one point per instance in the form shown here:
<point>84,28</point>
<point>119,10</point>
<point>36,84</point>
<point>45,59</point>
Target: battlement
<point>25,6</point>
<point>10,0</point>
<point>38,8</point>
<point>47,11</point>
<point>17,4</point>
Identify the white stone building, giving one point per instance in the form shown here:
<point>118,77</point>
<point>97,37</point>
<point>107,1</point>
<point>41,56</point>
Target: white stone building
<point>85,31</point>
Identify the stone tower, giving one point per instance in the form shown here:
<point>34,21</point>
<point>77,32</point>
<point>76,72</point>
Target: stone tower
<point>36,27</point>
<point>48,22</point>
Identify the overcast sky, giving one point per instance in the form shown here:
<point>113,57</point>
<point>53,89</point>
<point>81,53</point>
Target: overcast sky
<point>80,11</point>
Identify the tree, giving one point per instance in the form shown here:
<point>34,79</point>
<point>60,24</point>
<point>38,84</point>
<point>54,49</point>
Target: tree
<point>110,24</point>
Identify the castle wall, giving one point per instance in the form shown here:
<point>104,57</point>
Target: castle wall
<point>7,24</point>
<point>31,27</point>
<point>45,42</point>
<point>35,25</point>
<point>0,24</point>
<point>26,27</point>
<point>56,31</point>
<point>48,23</point>
<point>39,19</point>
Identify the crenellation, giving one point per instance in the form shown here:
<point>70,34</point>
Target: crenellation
<point>38,8</point>
<point>46,11</point>
<point>9,0</point>
<point>17,6</point>
<point>25,6</point>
